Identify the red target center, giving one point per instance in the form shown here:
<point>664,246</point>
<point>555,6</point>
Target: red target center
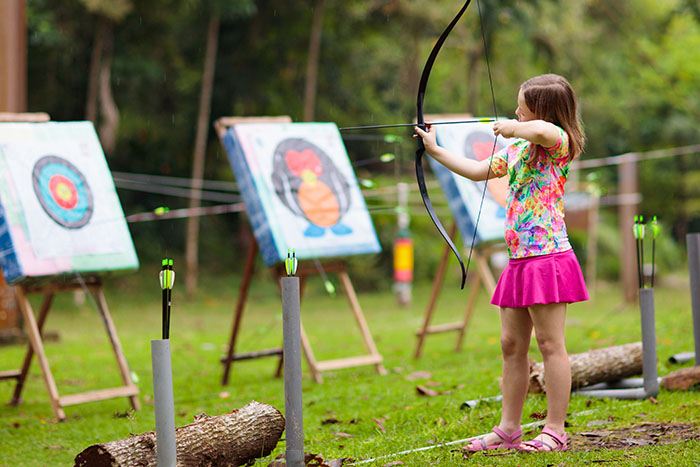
<point>63,191</point>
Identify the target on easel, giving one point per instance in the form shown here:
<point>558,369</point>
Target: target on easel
<point>59,209</point>
<point>63,192</point>
<point>476,142</point>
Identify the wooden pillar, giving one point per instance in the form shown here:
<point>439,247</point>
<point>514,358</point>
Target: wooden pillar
<point>13,56</point>
<point>10,322</point>
<point>627,183</point>
<point>13,98</point>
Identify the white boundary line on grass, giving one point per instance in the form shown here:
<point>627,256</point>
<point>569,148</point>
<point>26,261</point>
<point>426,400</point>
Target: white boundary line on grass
<point>427,448</point>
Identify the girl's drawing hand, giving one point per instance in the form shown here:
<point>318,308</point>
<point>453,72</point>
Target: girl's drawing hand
<point>429,138</point>
<point>505,128</point>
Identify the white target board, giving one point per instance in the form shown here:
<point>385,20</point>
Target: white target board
<point>60,210</point>
<point>300,190</point>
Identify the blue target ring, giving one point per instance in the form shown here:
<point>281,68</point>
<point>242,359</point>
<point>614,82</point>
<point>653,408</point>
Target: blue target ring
<point>62,191</point>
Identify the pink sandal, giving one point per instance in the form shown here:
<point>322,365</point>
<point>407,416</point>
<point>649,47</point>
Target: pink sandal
<point>536,445</point>
<point>511,441</point>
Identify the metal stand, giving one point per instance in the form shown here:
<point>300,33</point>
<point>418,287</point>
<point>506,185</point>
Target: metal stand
<point>164,402</point>
<point>294,426</point>
<point>636,388</point>
<point>693,243</point>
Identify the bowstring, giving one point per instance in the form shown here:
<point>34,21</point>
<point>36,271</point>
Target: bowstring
<point>495,139</point>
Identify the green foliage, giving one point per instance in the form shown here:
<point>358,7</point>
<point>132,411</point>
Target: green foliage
<point>358,398</point>
<point>634,65</point>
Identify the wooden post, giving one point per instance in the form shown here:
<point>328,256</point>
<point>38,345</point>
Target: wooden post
<point>13,56</point>
<point>627,173</point>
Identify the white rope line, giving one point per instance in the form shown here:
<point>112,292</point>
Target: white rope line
<point>459,441</point>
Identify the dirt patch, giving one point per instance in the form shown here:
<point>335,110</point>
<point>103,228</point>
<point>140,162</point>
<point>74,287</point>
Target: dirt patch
<point>645,434</point>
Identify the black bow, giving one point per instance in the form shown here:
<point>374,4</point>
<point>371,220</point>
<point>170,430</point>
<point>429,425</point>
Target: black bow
<point>421,148</point>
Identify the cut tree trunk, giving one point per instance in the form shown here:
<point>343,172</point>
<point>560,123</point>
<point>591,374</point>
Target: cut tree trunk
<point>682,379</point>
<point>231,439</point>
<point>595,366</point>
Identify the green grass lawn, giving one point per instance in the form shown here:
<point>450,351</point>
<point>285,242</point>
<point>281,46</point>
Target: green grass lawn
<point>373,416</point>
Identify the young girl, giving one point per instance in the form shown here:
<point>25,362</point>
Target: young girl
<point>543,274</point>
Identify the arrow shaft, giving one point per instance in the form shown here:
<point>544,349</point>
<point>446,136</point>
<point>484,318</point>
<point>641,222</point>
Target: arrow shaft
<point>398,125</point>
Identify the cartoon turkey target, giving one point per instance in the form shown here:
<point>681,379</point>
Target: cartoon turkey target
<point>63,192</point>
<point>311,186</point>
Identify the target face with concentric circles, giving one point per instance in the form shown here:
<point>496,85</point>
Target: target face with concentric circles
<point>62,191</point>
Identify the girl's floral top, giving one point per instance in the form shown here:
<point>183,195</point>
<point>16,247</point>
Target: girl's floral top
<point>534,204</point>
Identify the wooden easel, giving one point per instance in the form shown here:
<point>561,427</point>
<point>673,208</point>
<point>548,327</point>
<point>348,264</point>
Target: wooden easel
<point>36,346</point>
<point>34,328</point>
<point>316,367</point>
<point>484,278</point>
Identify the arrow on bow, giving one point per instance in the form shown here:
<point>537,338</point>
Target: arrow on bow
<point>397,125</point>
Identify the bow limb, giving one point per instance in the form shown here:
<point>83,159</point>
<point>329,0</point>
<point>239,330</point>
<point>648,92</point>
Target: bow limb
<point>421,148</point>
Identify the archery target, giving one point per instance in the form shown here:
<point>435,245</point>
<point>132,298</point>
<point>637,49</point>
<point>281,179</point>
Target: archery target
<point>300,190</point>
<point>63,192</point>
<point>59,209</point>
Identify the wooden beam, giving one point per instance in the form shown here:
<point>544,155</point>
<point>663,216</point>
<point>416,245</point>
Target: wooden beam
<point>13,56</point>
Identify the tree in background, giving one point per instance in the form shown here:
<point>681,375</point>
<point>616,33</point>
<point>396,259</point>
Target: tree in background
<point>109,14</point>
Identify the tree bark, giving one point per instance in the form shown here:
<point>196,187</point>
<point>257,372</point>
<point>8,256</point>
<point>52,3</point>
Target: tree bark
<point>595,366</point>
<point>200,147</point>
<point>312,64</point>
<point>231,439</point>
<point>94,74</point>
<point>682,379</point>
<point>109,110</point>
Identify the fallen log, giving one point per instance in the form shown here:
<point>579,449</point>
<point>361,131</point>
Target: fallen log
<point>595,366</point>
<point>682,379</point>
<point>232,439</point>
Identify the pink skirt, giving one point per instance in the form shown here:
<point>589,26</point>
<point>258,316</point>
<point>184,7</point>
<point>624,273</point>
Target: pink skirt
<point>553,278</point>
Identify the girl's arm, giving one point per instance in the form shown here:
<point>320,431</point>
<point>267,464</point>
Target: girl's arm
<point>469,168</point>
<point>535,131</point>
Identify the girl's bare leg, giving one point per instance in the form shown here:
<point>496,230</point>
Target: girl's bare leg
<point>549,321</point>
<point>516,329</point>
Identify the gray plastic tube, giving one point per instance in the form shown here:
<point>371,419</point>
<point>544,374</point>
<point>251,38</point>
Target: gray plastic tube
<point>165,406</point>
<point>683,357</point>
<point>650,372</point>
<point>629,393</point>
<point>649,384</point>
<point>291,328</point>
<point>693,243</point>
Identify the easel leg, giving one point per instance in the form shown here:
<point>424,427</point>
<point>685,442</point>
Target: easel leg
<point>437,285</point>
<point>37,345</point>
<point>485,272</point>
<point>98,293</point>
<point>242,296</point>
<point>468,314</point>
<point>310,358</point>
<point>359,316</point>
<point>46,304</point>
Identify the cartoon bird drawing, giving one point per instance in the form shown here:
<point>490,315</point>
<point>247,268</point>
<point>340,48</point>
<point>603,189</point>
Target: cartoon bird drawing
<point>310,185</point>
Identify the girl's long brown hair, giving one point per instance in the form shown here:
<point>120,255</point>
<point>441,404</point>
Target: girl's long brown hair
<point>551,98</point>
